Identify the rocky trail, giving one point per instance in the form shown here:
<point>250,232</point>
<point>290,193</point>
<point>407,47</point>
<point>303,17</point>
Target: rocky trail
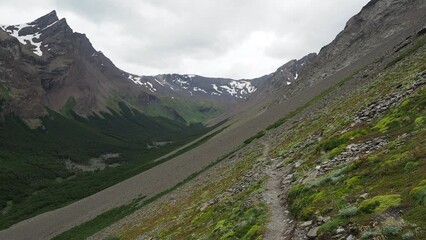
<point>280,225</point>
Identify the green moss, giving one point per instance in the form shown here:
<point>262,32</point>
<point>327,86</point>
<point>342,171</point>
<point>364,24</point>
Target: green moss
<point>353,182</point>
<point>318,197</point>
<point>385,123</point>
<point>419,121</point>
<point>418,194</point>
<point>411,165</point>
<point>380,203</point>
<point>405,103</point>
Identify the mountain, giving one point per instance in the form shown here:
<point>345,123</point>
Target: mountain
<point>331,146</point>
<point>197,86</point>
<point>346,160</point>
<point>46,64</point>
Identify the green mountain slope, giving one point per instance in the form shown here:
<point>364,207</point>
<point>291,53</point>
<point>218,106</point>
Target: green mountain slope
<point>51,165</point>
<point>351,164</point>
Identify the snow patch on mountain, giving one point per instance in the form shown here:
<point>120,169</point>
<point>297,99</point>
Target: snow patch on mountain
<point>137,80</point>
<point>32,39</point>
<point>194,85</point>
<point>217,89</point>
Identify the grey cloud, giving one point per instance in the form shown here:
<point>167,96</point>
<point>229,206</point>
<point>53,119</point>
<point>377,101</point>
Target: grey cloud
<point>230,38</point>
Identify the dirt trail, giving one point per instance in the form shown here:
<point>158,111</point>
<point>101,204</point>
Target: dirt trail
<point>280,225</point>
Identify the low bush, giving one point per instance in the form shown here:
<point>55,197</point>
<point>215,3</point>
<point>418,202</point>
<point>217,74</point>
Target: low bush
<point>348,212</point>
<point>380,203</point>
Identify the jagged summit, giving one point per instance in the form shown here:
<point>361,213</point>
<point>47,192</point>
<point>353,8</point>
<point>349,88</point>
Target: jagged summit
<point>46,20</point>
<point>34,33</point>
<point>61,64</point>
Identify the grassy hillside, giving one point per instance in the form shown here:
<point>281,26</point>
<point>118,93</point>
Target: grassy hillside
<point>356,154</point>
<point>187,110</point>
<point>34,160</point>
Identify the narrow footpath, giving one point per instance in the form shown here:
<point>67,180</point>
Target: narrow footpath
<point>280,225</point>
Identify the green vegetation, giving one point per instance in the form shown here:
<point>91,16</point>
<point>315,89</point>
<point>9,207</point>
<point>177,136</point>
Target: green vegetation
<point>390,175</point>
<point>380,186</point>
<point>186,110</point>
<point>34,159</point>
<point>87,229</point>
<point>234,216</point>
<point>418,194</point>
<point>256,136</point>
<point>66,110</point>
<point>380,203</point>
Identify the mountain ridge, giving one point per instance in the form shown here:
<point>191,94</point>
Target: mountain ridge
<point>305,129</point>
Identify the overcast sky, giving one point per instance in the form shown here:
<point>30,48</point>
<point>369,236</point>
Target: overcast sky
<point>221,38</point>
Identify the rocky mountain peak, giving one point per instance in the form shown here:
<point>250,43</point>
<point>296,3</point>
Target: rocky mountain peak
<point>46,20</point>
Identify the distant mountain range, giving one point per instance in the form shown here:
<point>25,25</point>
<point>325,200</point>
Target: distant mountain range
<point>46,63</point>
<point>73,124</point>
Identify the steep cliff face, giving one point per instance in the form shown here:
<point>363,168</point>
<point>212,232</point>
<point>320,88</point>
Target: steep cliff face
<point>46,64</point>
<point>380,27</point>
<point>380,22</point>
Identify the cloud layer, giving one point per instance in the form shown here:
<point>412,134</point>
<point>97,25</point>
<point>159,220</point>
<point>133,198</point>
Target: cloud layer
<point>226,38</point>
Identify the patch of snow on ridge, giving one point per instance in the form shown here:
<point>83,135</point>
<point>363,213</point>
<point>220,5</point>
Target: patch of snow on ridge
<point>216,89</point>
<point>237,89</point>
<point>181,82</point>
<point>137,80</point>
<point>295,77</point>
<point>197,89</point>
<point>243,85</point>
<point>288,83</point>
<point>162,84</point>
<point>13,30</point>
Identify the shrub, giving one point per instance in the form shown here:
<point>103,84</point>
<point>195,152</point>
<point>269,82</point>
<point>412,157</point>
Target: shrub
<point>418,194</point>
<point>391,230</point>
<point>333,143</point>
<point>348,212</point>
<point>408,235</point>
<point>368,234</point>
<point>385,123</point>
<point>419,120</point>
<point>410,165</point>
<point>353,182</point>
<point>330,226</point>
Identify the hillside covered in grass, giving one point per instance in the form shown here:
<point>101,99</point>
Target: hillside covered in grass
<point>351,165</point>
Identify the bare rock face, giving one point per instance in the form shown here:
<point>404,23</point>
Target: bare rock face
<point>379,27</point>
<point>44,63</point>
<point>379,21</point>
